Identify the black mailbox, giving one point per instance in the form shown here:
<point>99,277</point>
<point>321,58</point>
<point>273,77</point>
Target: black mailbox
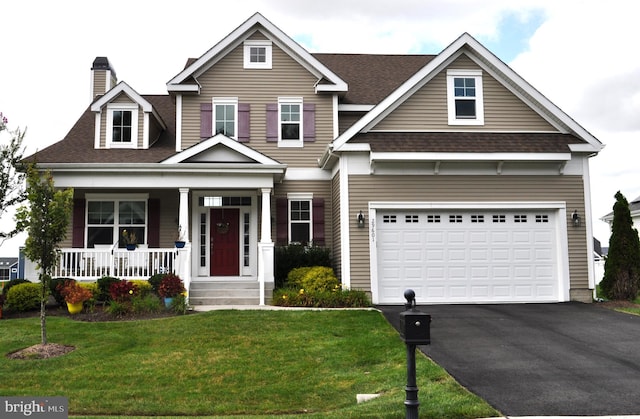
<point>415,326</point>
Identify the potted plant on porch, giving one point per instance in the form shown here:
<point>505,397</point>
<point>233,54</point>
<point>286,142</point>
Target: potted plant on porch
<point>129,239</point>
<point>170,287</point>
<point>74,295</point>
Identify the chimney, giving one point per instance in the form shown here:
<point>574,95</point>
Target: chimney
<point>103,77</point>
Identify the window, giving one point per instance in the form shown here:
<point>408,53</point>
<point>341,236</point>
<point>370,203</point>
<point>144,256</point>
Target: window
<point>225,114</point>
<point>433,218</point>
<point>464,97</point>
<point>300,221</point>
<point>107,219</point>
<point>122,125</point>
<point>257,54</point>
<point>409,219</point>
<point>290,118</point>
<point>455,218</point>
<point>388,219</point>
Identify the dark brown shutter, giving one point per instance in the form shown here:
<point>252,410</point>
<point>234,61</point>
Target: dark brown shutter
<point>282,221</point>
<point>318,221</point>
<point>153,235</point>
<point>77,239</point>
<point>244,122</point>
<point>206,120</point>
<point>272,122</point>
<point>309,122</point>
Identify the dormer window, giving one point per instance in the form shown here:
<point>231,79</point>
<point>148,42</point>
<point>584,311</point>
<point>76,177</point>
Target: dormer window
<point>257,54</point>
<point>464,97</point>
<point>122,125</point>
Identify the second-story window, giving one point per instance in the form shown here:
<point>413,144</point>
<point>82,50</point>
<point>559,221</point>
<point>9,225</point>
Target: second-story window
<point>290,118</point>
<point>122,125</point>
<point>464,97</point>
<point>257,54</point>
<point>225,116</point>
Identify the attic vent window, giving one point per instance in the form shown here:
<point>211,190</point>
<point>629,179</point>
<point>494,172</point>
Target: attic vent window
<point>257,54</point>
<point>464,97</point>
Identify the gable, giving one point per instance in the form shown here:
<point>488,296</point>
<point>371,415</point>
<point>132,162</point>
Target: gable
<point>426,109</point>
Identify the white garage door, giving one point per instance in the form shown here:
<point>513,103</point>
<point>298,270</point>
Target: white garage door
<point>467,256</point>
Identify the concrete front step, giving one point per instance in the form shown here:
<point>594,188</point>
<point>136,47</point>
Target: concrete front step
<point>232,292</point>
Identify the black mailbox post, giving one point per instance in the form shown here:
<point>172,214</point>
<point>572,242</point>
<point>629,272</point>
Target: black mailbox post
<point>415,329</point>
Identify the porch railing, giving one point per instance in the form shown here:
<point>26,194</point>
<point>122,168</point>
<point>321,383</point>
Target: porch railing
<point>91,264</point>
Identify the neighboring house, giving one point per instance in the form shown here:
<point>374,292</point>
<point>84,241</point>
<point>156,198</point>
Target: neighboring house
<point>8,269</point>
<point>447,173</point>
<point>634,209</point>
<point>599,257</point>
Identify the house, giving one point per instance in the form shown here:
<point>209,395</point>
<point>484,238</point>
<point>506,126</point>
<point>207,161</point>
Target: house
<point>634,209</point>
<point>448,174</point>
<point>8,269</point>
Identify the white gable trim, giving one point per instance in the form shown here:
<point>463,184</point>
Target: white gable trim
<point>225,141</point>
<point>489,62</point>
<point>278,37</point>
<point>121,87</point>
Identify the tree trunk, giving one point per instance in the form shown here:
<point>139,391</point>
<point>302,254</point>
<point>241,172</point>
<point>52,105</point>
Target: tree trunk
<point>43,314</point>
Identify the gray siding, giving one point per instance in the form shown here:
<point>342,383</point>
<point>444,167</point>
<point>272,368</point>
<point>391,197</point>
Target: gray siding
<point>426,110</point>
<point>569,189</point>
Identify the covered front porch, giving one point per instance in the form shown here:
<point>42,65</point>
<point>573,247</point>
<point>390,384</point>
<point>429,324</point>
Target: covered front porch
<point>221,211</point>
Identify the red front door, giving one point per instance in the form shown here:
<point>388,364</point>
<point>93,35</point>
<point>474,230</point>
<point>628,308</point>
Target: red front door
<point>225,242</point>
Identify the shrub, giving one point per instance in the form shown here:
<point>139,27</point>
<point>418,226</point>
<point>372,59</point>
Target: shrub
<point>144,287</point>
<point>24,296</point>
<point>317,278</point>
<point>117,308</point>
<point>171,286</point>
<point>13,282</point>
<point>338,298</point>
<point>74,293</point>
<point>123,291</point>
<point>296,256</point>
<point>55,286</point>
<point>104,287</point>
<point>155,281</point>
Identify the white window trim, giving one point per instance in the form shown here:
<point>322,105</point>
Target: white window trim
<point>290,101</point>
<point>133,107</point>
<point>247,54</point>
<point>116,199</point>
<point>296,196</point>
<point>225,101</point>
<point>451,100</point>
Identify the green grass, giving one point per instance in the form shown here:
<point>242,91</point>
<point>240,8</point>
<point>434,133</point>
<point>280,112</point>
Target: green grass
<point>230,363</point>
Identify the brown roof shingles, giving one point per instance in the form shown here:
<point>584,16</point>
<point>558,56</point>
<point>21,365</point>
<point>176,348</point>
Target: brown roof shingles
<point>467,142</point>
<point>372,77</point>
<point>78,145</point>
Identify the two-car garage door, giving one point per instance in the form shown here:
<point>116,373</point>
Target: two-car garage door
<point>467,256</point>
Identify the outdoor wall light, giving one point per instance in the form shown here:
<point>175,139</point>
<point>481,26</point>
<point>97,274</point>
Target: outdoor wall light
<point>575,218</point>
<point>360,219</point>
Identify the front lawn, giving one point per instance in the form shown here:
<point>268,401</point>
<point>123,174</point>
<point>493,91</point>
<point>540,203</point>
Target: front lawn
<point>219,363</point>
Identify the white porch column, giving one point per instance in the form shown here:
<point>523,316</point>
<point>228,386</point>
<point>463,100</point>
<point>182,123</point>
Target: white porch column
<point>184,254</point>
<point>183,215</point>
<point>265,246</point>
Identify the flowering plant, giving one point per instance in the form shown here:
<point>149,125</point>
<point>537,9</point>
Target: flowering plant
<point>74,293</point>
<point>170,286</point>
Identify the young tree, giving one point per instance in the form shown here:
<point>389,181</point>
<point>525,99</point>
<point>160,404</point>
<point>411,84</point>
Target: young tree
<point>11,180</point>
<point>621,279</point>
<point>46,220</point>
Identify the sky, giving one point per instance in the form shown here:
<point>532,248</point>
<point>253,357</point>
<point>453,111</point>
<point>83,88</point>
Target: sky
<point>582,55</point>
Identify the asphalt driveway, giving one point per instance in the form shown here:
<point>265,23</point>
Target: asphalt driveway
<point>538,359</point>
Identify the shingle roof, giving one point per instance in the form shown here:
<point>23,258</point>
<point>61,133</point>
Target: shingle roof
<point>372,77</point>
<point>78,145</point>
<point>467,142</point>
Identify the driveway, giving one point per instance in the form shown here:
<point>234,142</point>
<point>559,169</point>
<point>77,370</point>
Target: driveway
<point>538,359</point>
